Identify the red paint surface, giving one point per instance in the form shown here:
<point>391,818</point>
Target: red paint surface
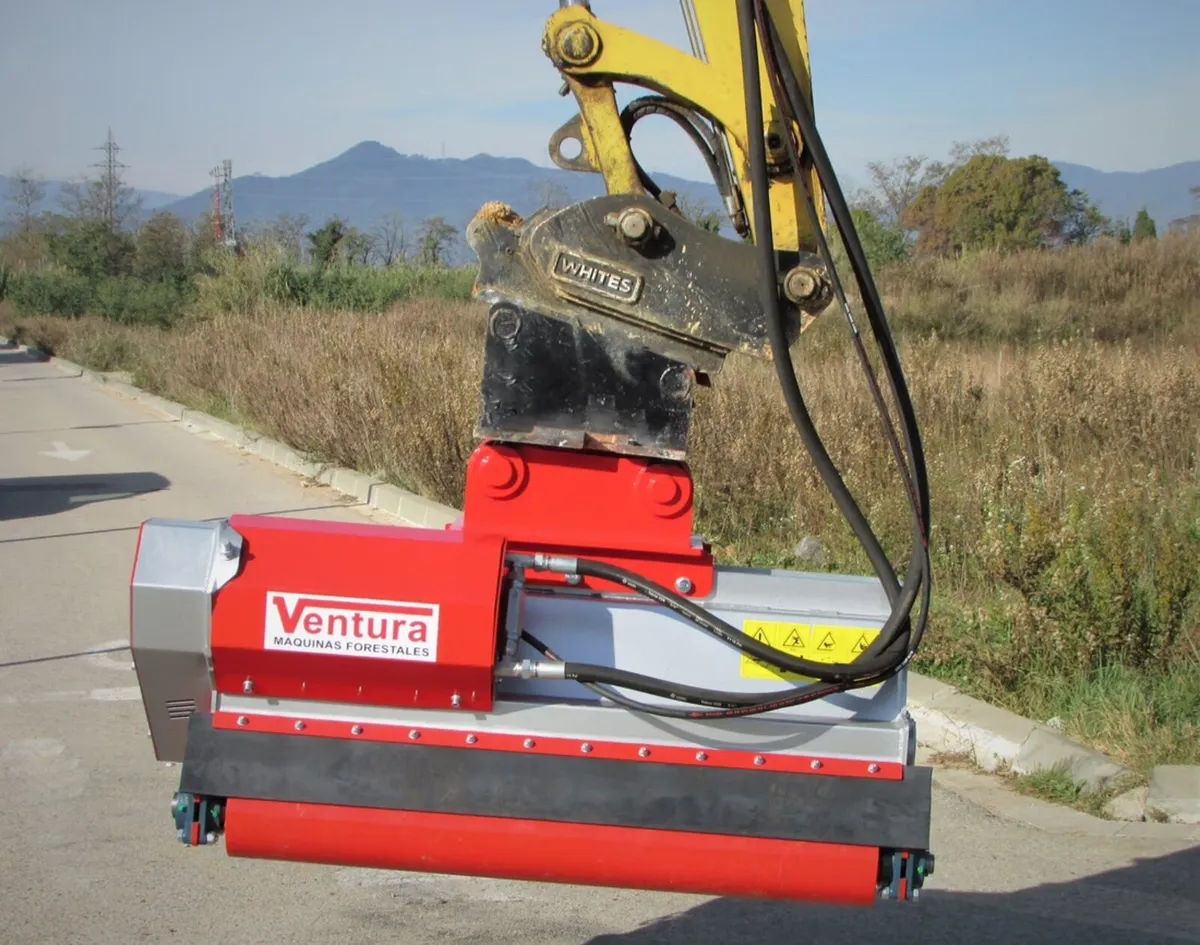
<point>634,512</point>
<point>545,851</point>
<point>412,570</point>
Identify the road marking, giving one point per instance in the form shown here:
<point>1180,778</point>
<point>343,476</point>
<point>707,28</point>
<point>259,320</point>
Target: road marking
<point>120,694</point>
<point>62,451</point>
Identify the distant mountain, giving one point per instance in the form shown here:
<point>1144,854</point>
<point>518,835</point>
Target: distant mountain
<point>370,181</point>
<point>1165,192</point>
<point>51,203</point>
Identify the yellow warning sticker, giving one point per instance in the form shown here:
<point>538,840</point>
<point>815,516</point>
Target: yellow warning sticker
<point>818,643</point>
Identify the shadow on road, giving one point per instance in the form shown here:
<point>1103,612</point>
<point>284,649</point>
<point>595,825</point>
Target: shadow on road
<point>35,496</point>
<point>17,356</point>
<point>1153,902</point>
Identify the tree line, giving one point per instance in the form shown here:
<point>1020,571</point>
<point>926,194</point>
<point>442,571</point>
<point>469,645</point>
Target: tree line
<point>977,198</point>
<point>96,236</point>
<point>97,251</point>
<point>981,198</point>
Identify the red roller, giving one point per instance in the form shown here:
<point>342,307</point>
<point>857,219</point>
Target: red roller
<point>544,851</point>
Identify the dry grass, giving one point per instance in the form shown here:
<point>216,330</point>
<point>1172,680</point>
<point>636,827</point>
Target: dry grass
<point>1106,292</point>
<point>1065,474</point>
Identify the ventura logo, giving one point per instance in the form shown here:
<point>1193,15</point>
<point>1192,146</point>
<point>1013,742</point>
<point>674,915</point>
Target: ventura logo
<point>351,626</point>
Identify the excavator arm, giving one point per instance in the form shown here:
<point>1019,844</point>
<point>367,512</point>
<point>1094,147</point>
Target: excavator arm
<point>565,685</point>
<point>706,88</point>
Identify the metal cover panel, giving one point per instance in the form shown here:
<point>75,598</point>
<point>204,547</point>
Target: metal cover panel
<point>891,741</point>
<point>646,638</point>
<point>179,566</point>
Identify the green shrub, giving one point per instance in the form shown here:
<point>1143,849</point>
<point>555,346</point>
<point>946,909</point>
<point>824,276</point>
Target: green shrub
<point>50,293</point>
<point>132,302</point>
<point>266,277</point>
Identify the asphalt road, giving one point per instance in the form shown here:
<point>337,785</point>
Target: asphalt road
<point>87,852</point>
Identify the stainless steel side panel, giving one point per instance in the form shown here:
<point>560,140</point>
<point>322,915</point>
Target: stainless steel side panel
<point>179,566</point>
<point>645,638</point>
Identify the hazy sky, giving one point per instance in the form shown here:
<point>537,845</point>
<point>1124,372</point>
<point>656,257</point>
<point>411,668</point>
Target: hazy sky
<point>278,86</point>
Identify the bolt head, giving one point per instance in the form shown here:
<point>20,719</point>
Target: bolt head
<point>683,585</point>
<point>808,288</point>
<point>529,743</point>
<point>414,734</point>
<point>229,550</point>
<point>356,730</point>
<point>248,686</point>
<point>760,760</point>
<point>299,726</point>
<point>663,489</point>
<point>456,700</point>
<point>800,284</point>
<point>472,739</point>
<point>585,748</point>
<point>502,471</point>
<point>242,720</point>
<point>644,752</point>
<point>578,44</point>
<point>506,322</point>
<point>676,383</point>
<point>816,765</point>
<point>635,225</point>
<point>873,769</point>
<point>702,756</point>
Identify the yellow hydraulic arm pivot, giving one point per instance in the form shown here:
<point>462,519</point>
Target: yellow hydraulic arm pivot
<point>593,54</point>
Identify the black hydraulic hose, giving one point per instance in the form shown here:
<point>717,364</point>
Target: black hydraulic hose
<point>893,641</point>
<point>765,702</point>
<point>871,299</point>
<point>916,479</point>
<point>677,692</point>
<point>687,120</point>
<point>864,667</point>
<point>770,299</point>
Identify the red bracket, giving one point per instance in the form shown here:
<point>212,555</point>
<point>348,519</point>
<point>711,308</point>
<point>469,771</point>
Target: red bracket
<point>634,512</point>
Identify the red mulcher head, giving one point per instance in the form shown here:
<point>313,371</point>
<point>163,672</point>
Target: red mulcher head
<point>394,698</point>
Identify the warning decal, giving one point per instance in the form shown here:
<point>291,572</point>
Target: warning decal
<point>818,643</point>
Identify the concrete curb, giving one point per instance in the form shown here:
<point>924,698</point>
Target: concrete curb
<point>948,721</point>
<point>998,799</point>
